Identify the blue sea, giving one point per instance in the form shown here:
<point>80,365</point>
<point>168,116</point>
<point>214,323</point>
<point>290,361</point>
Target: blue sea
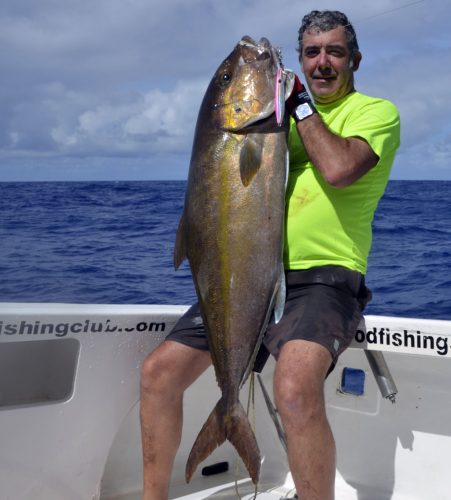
<point>112,242</point>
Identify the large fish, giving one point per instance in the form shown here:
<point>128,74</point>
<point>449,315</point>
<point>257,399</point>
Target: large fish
<point>231,229</point>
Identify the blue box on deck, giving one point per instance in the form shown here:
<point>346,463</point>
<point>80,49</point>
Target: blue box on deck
<point>353,381</point>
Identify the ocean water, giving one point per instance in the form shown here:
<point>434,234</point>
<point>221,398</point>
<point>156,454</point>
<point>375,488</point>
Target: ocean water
<point>112,242</point>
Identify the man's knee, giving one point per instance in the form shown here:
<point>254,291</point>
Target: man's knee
<point>153,371</point>
<point>299,400</point>
<point>299,382</point>
<point>172,366</point>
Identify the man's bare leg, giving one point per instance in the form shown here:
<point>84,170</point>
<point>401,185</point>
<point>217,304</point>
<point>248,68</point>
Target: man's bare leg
<point>166,373</point>
<point>299,393</point>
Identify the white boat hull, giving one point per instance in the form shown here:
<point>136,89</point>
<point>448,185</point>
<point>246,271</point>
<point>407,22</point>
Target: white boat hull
<point>69,428</point>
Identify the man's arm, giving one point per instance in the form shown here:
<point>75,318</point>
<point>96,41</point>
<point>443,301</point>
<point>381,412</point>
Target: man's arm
<point>341,161</point>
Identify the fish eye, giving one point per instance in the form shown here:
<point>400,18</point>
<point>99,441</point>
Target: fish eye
<point>224,79</point>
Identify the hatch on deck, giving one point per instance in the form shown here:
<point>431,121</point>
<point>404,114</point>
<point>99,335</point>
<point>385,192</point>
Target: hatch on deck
<point>37,372</point>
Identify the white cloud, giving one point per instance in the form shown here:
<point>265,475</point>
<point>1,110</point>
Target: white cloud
<point>153,122</point>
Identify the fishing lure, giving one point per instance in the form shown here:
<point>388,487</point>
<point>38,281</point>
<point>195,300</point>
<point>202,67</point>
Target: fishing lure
<point>279,96</point>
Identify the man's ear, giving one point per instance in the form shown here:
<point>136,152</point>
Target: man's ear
<point>354,63</point>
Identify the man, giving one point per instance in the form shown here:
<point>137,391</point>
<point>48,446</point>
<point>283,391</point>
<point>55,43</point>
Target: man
<point>342,147</point>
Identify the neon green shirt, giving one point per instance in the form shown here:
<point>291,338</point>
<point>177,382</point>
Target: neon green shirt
<point>332,226</point>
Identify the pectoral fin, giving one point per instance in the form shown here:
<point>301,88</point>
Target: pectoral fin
<point>250,159</point>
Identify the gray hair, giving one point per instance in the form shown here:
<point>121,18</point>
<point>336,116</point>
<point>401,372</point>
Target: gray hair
<point>327,20</point>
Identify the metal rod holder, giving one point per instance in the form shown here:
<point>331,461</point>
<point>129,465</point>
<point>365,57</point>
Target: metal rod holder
<point>382,375</point>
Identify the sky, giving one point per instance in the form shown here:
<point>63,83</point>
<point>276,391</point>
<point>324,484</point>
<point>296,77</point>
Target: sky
<point>110,89</point>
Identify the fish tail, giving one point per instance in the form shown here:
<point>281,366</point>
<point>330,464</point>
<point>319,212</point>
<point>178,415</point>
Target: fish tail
<point>241,435</point>
<point>233,426</point>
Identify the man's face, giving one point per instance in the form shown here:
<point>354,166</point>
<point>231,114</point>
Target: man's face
<point>327,64</point>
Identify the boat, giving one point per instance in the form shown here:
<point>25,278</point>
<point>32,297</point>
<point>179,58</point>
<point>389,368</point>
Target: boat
<point>69,409</point>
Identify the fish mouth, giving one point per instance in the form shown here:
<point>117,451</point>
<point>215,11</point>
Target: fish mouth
<point>263,43</point>
<point>263,55</point>
<point>252,51</point>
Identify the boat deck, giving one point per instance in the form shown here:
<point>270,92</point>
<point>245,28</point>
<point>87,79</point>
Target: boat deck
<point>230,489</point>
<point>69,419</point>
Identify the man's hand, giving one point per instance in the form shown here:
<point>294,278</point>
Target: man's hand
<point>299,96</point>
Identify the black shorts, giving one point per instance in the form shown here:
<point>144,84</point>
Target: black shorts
<point>323,305</point>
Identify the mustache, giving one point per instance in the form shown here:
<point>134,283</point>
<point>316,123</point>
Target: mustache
<point>326,74</point>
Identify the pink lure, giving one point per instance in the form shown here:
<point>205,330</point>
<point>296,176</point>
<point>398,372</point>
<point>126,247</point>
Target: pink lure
<point>279,96</point>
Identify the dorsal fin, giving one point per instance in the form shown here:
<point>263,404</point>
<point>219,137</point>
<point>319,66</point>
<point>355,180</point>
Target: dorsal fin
<point>180,243</point>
